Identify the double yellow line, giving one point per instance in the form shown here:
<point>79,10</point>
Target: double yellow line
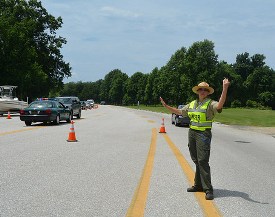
<point>139,200</point>
<point>138,203</point>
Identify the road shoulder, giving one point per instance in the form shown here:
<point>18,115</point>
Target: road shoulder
<point>264,130</point>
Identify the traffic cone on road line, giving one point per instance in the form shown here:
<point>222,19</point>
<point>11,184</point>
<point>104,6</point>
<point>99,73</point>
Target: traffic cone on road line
<point>162,127</point>
<point>72,137</point>
<point>9,115</point>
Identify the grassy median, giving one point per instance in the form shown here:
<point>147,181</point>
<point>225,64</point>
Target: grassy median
<point>232,116</point>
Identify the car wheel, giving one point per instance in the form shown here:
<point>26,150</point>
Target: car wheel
<point>69,119</point>
<point>79,114</point>
<point>57,120</point>
<point>28,123</point>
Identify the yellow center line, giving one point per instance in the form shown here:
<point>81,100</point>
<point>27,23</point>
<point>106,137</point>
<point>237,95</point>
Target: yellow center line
<point>21,130</point>
<point>138,203</point>
<point>209,208</point>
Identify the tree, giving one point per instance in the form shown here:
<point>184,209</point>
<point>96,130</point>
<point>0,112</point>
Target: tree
<point>259,81</point>
<point>150,95</point>
<point>256,78</point>
<point>235,94</point>
<point>243,65</point>
<point>135,88</point>
<point>252,82</point>
<point>70,89</point>
<point>171,77</point>
<point>114,86</point>
<point>201,65</point>
<point>258,60</point>
<point>267,98</point>
<point>116,92</point>
<point>30,55</point>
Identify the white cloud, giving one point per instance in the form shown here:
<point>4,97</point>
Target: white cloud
<point>141,35</point>
<point>115,12</point>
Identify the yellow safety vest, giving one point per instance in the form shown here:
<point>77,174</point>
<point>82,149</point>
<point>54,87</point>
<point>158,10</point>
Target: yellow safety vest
<point>198,116</point>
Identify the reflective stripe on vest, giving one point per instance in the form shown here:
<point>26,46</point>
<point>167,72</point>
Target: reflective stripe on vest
<point>204,124</point>
<point>198,116</point>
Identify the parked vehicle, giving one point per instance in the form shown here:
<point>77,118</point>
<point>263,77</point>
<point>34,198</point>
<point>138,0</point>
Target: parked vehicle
<point>83,105</point>
<point>73,104</point>
<point>90,103</point>
<point>8,101</point>
<point>179,120</point>
<point>45,111</point>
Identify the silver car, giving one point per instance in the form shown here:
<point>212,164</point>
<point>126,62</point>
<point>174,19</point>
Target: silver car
<point>90,103</point>
<point>179,120</point>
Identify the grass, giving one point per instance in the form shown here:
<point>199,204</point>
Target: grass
<point>231,116</point>
<point>247,117</point>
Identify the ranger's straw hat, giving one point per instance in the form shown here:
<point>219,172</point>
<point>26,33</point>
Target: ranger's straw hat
<point>203,85</point>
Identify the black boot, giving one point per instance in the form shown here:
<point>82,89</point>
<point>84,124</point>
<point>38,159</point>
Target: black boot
<point>194,189</point>
<point>209,195</point>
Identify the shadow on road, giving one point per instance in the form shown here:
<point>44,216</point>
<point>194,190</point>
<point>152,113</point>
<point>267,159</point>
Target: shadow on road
<point>229,193</point>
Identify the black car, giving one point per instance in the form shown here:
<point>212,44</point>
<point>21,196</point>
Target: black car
<point>45,111</point>
<point>73,104</point>
<point>179,120</point>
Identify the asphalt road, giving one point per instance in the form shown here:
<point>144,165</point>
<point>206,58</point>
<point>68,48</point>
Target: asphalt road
<point>122,166</point>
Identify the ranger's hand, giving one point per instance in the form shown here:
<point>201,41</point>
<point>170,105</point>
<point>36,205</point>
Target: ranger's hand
<point>226,83</point>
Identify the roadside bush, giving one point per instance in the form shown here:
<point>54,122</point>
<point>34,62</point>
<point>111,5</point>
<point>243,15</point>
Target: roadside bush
<point>252,104</point>
<point>267,99</point>
<point>236,104</point>
<point>126,100</point>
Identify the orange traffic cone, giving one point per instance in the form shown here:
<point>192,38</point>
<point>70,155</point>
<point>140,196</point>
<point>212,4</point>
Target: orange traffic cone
<point>72,137</point>
<point>162,127</point>
<point>9,115</point>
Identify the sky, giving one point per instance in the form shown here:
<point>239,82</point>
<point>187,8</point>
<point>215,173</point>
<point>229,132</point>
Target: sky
<point>139,35</point>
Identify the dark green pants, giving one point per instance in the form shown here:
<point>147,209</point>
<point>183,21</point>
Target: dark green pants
<point>199,148</point>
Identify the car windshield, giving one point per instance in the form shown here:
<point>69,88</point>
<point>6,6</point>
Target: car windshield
<point>41,104</point>
<point>65,100</point>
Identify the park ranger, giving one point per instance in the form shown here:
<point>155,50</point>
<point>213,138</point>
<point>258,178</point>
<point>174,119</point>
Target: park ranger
<point>201,113</point>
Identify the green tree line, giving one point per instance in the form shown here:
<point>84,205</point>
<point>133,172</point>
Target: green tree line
<point>252,81</point>
<point>30,58</point>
